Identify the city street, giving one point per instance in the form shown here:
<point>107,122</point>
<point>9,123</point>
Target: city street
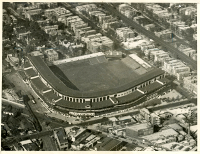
<point>25,89</point>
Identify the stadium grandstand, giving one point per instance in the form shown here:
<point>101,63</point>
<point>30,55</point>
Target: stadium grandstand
<point>100,85</point>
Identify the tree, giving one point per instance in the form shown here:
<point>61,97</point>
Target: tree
<point>17,113</point>
<point>189,120</point>
<point>141,54</point>
<point>54,18</point>
<point>47,123</point>
<point>8,31</point>
<point>158,64</point>
<point>61,26</point>
<point>177,97</point>
<point>10,108</point>
<point>6,5</point>
<point>29,48</point>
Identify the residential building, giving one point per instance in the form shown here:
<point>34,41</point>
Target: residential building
<point>144,113</point>
<point>147,47</point>
<point>190,11</point>
<point>125,33</point>
<point>80,31</point>
<point>173,67</point>
<point>194,27</point>
<point>51,54</point>
<point>86,8</point>
<point>161,56</point>
<point>61,138</point>
<point>51,29</point>
<point>21,33</point>
<point>60,13</point>
<point>154,119</point>
<point>37,53</point>
<point>28,145</point>
<point>165,34</point>
<point>194,56</point>
<point>14,61</point>
<point>190,83</point>
<point>124,120</point>
<point>162,137</point>
<point>98,43</point>
<point>109,144</point>
<point>29,13</point>
<point>139,130</point>
<point>195,36</point>
<point>43,23</point>
<point>189,52</point>
<point>175,126</point>
<point>73,19</point>
<point>79,24</point>
<point>13,19</point>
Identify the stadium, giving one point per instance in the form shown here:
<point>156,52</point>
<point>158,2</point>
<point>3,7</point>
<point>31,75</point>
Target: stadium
<point>91,84</point>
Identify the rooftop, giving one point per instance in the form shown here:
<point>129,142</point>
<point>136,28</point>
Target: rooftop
<point>138,127</point>
<point>163,133</point>
<point>60,132</point>
<point>50,52</point>
<point>125,117</point>
<point>175,126</point>
<point>107,144</point>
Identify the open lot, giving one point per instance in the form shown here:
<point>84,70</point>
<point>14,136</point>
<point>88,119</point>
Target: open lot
<point>84,76</point>
<point>172,95</point>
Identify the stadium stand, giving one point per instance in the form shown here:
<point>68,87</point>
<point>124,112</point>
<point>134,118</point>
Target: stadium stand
<point>39,84</point>
<point>51,96</point>
<point>140,70</point>
<point>30,72</point>
<point>130,63</point>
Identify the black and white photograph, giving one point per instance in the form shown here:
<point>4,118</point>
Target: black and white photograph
<point>99,76</point>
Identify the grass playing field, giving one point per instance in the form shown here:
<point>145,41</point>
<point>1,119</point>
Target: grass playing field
<point>83,76</point>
